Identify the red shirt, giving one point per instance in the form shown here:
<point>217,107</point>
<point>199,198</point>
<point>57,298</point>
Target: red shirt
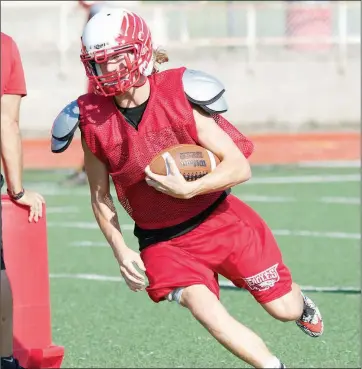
<point>12,73</point>
<point>167,120</point>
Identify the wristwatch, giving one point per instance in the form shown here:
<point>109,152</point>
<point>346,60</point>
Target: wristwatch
<point>16,196</point>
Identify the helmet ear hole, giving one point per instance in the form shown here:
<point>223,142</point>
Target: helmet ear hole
<point>148,70</point>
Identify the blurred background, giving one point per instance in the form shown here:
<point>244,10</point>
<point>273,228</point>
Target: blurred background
<point>292,75</point>
<point>286,65</point>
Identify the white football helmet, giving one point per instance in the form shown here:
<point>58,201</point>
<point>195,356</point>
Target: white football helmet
<point>112,32</point>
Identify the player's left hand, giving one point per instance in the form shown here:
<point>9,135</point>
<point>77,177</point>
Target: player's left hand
<point>174,184</point>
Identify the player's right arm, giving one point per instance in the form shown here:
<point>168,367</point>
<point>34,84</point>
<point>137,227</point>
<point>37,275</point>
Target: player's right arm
<point>107,219</point>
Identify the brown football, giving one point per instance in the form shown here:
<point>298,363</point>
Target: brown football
<point>193,161</point>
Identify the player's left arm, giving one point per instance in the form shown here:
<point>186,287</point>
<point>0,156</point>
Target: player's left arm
<point>234,167</point>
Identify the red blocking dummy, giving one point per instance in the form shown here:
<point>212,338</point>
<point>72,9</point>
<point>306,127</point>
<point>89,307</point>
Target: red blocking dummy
<point>26,260</point>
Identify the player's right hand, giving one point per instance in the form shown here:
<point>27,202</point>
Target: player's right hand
<point>134,279</point>
<point>35,202</point>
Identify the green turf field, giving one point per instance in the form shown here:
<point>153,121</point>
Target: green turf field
<point>103,324</point>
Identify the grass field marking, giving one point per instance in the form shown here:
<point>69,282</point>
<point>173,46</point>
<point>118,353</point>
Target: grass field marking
<point>341,200</point>
<point>77,225</point>
<point>54,189</point>
<point>330,164</point>
<point>267,199</point>
<point>341,289</point>
<point>62,209</point>
<point>92,277</point>
<point>250,198</point>
<point>305,179</point>
<point>85,225</point>
<point>281,199</point>
<point>277,232</point>
<point>223,284</point>
<point>88,244</point>
<point>334,235</point>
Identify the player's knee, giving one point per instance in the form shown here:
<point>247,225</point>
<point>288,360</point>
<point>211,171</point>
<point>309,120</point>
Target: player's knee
<point>205,307</point>
<point>202,303</point>
<point>285,313</point>
<point>192,294</point>
<point>191,297</point>
<point>286,308</point>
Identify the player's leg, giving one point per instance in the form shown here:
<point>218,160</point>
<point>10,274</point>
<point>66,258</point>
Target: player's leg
<point>175,274</point>
<point>257,265</point>
<point>310,320</point>
<point>235,337</point>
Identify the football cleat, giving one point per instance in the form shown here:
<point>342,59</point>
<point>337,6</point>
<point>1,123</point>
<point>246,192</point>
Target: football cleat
<point>311,321</point>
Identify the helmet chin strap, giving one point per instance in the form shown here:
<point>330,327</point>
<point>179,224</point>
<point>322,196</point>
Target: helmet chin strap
<point>147,72</point>
<point>141,81</point>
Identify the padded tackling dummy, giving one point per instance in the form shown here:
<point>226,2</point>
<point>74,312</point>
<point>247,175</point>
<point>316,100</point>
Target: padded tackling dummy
<point>204,90</point>
<point>26,260</point>
<point>64,127</point>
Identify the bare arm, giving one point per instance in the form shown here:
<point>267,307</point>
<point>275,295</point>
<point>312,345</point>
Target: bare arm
<point>11,148</point>
<point>107,219</point>
<point>102,203</point>
<point>234,167</point>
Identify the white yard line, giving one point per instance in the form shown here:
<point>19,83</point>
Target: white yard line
<point>53,189</point>
<point>306,179</point>
<point>341,200</point>
<point>62,209</point>
<point>84,225</point>
<point>227,284</point>
<point>277,232</point>
<point>88,244</point>
<point>249,198</point>
<point>281,199</point>
<point>267,199</point>
<point>334,235</point>
<point>330,164</point>
<point>246,198</point>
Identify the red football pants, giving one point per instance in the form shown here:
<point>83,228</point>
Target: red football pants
<point>234,242</point>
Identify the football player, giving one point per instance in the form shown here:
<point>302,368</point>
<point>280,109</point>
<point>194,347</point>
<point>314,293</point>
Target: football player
<point>188,232</point>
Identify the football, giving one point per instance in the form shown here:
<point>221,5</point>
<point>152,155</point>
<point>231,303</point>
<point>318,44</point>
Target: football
<point>193,161</point>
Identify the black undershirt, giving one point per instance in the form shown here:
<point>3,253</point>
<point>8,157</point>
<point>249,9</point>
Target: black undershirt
<point>133,115</point>
<point>147,237</point>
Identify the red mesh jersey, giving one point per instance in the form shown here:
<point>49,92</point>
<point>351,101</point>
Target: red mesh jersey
<point>168,120</point>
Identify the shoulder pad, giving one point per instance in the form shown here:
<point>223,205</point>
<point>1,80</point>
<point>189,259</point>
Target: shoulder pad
<point>64,127</point>
<point>205,91</point>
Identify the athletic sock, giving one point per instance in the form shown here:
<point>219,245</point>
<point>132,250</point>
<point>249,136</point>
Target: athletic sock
<point>274,363</point>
